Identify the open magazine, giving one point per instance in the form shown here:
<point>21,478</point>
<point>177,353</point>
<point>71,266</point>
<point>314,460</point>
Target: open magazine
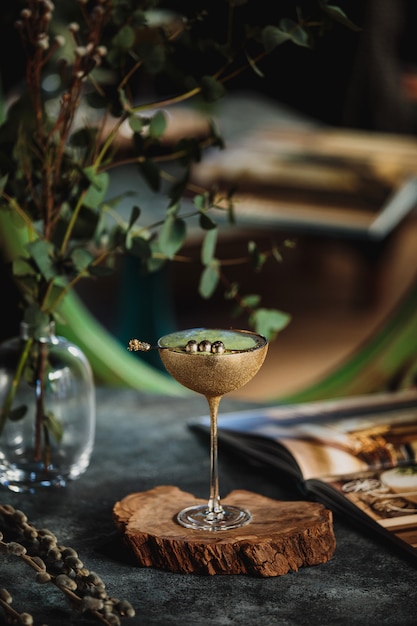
<point>357,456</point>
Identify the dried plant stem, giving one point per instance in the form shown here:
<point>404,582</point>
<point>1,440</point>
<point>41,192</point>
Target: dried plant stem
<point>8,401</point>
<point>59,566</point>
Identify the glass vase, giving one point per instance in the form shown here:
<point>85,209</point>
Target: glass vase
<point>47,419</point>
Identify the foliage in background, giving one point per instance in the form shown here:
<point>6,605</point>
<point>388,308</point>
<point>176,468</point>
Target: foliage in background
<point>93,68</point>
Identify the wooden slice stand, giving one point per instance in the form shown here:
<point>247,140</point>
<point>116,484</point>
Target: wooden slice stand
<point>281,537</point>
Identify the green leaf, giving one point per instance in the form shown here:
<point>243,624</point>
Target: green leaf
<point>251,300</point>
<point>272,36</point>
<point>140,248</point>
<point>269,322</point>
<point>254,66</point>
<point>208,247</point>
<point>157,125</point>
<point>232,291</point>
<point>41,252</point>
<point>3,182</point>
<point>136,123</point>
<point>258,259</point>
<point>199,201</point>
<point>133,216</point>
<point>124,39</point>
<point>81,259</point>
<point>288,30</point>
<point>209,279</point>
<point>338,15</point>
<point>206,222</point>
<point>211,89</point>
<point>97,190</point>
<point>178,189</point>
<point>172,235</point>
<point>22,267</point>
<point>54,426</point>
<point>297,34</point>
<point>17,413</point>
<point>151,174</point>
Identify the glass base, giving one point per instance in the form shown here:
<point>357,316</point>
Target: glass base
<point>199,518</point>
<point>26,481</point>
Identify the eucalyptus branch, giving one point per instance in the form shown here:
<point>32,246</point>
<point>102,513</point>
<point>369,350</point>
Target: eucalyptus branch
<point>72,222</point>
<point>21,212</point>
<point>71,284</point>
<point>167,102</point>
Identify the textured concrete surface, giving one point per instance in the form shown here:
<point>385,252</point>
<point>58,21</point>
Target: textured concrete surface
<point>143,441</point>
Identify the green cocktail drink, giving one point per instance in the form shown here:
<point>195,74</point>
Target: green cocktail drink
<point>213,362</point>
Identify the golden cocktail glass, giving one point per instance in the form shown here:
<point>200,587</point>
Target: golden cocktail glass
<point>213,362</point>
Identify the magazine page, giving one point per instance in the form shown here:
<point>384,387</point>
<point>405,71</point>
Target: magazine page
<point>388,498</point>
<point>334,439</point>
<point>357,456</point>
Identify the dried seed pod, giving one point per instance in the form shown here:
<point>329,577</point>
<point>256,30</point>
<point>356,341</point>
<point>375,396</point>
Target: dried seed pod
<point>65,582</point>
<point>43,577</point>
<point>19,517</point>
<point>89,603</point>
<point>204,346</point>
<point>5,596</point>
<point>125,608</point>
<point>94,579</point>
<point>74,562</point>
<point>39,562</point>
<point>16,548</point>
<point>192,346</point>
<point>67,552</point>
<point>135,345</point>
<point>54,554</point>
<point>218,347</point>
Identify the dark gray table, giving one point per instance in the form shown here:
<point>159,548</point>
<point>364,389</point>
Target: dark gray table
<point>143,441</point>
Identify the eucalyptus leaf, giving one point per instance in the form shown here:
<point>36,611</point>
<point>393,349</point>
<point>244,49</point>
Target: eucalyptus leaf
<point>211,89</point>
<point>297,34</point>
<point>209,280</point>
<point>17,413</point>
<point>134,216</point>
<point>251,300</point>
<point>97,190</point>
<point>81,259</point>
<point>337,14</point>
<point>268,322</point>
<point>258,259</point>
<point>199,201</point>
<point>140,248</point>
<point>3,182</point>
<point>153,56</point>
<point>172,235</point>
<point>136,123</point>
<point>22,267</point>
<point>54,426</point>
<point>206,222</point>
<point>177,190</point>
<point>41,252</point>
<point>151,174</point>
<point>208,247</point>
<point>158,125</point>
<point>272,36</point>
<point>124,38</point>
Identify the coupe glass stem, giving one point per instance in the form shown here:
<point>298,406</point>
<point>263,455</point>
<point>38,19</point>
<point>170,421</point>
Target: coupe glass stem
<point>215,509</point>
